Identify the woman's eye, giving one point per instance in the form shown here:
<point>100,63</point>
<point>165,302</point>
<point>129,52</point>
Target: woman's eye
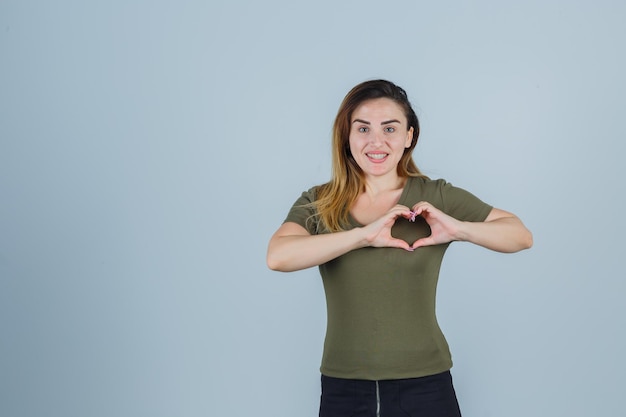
<point>363,129</point>
<point>390,129</point>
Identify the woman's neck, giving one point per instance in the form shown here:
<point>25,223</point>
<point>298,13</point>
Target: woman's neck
<point>379,185</point>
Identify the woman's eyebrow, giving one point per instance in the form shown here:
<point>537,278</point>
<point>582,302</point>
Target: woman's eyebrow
<point>382,123</point>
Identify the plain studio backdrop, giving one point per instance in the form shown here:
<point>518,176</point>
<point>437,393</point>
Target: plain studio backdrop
<point>149,149</point>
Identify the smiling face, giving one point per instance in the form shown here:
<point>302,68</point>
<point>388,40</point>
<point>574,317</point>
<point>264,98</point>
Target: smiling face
<point>378,136</point>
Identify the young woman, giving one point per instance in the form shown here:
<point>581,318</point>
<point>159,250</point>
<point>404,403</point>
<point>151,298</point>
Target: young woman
<point>378,231</point>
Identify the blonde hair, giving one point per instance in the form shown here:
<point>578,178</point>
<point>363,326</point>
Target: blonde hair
<point>336,197</point>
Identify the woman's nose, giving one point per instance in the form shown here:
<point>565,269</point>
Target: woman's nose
<point>376,138</point>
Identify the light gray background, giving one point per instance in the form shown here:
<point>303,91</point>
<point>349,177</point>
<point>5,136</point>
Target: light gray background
<point>149,149</point>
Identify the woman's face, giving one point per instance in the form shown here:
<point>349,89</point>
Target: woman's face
<point>378,136</point>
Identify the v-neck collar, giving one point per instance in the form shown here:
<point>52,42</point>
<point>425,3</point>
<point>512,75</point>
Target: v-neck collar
<point>403,196</point>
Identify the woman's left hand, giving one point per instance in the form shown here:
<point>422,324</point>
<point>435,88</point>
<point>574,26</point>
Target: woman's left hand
<point>444,228</point>
<point>501,231</point>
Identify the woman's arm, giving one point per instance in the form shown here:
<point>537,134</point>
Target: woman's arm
<point>292,248</point>
<point>501,231</point>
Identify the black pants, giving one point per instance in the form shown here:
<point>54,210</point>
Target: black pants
<point>429,396</point>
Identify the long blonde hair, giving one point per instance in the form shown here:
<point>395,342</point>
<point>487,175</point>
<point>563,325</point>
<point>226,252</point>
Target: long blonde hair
<point>335,198</point>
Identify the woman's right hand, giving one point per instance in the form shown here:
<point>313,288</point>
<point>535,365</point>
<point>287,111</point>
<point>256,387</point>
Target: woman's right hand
<point>292,248</point>
<point>378,233</point>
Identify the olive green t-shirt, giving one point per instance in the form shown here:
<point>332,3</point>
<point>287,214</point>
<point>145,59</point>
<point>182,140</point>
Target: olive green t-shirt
<point>381,301</point>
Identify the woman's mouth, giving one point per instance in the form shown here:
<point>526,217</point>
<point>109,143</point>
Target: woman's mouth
<point>377,156</point>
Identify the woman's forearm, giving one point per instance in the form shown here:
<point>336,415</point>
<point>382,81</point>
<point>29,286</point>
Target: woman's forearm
<point>504,234</point>
<point>291,252</point>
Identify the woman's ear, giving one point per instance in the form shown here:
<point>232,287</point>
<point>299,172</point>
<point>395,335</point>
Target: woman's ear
<point>409,138</point>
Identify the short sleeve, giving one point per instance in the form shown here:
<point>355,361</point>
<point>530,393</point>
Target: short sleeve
<point>463,205</point>
<point>303,212</point>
